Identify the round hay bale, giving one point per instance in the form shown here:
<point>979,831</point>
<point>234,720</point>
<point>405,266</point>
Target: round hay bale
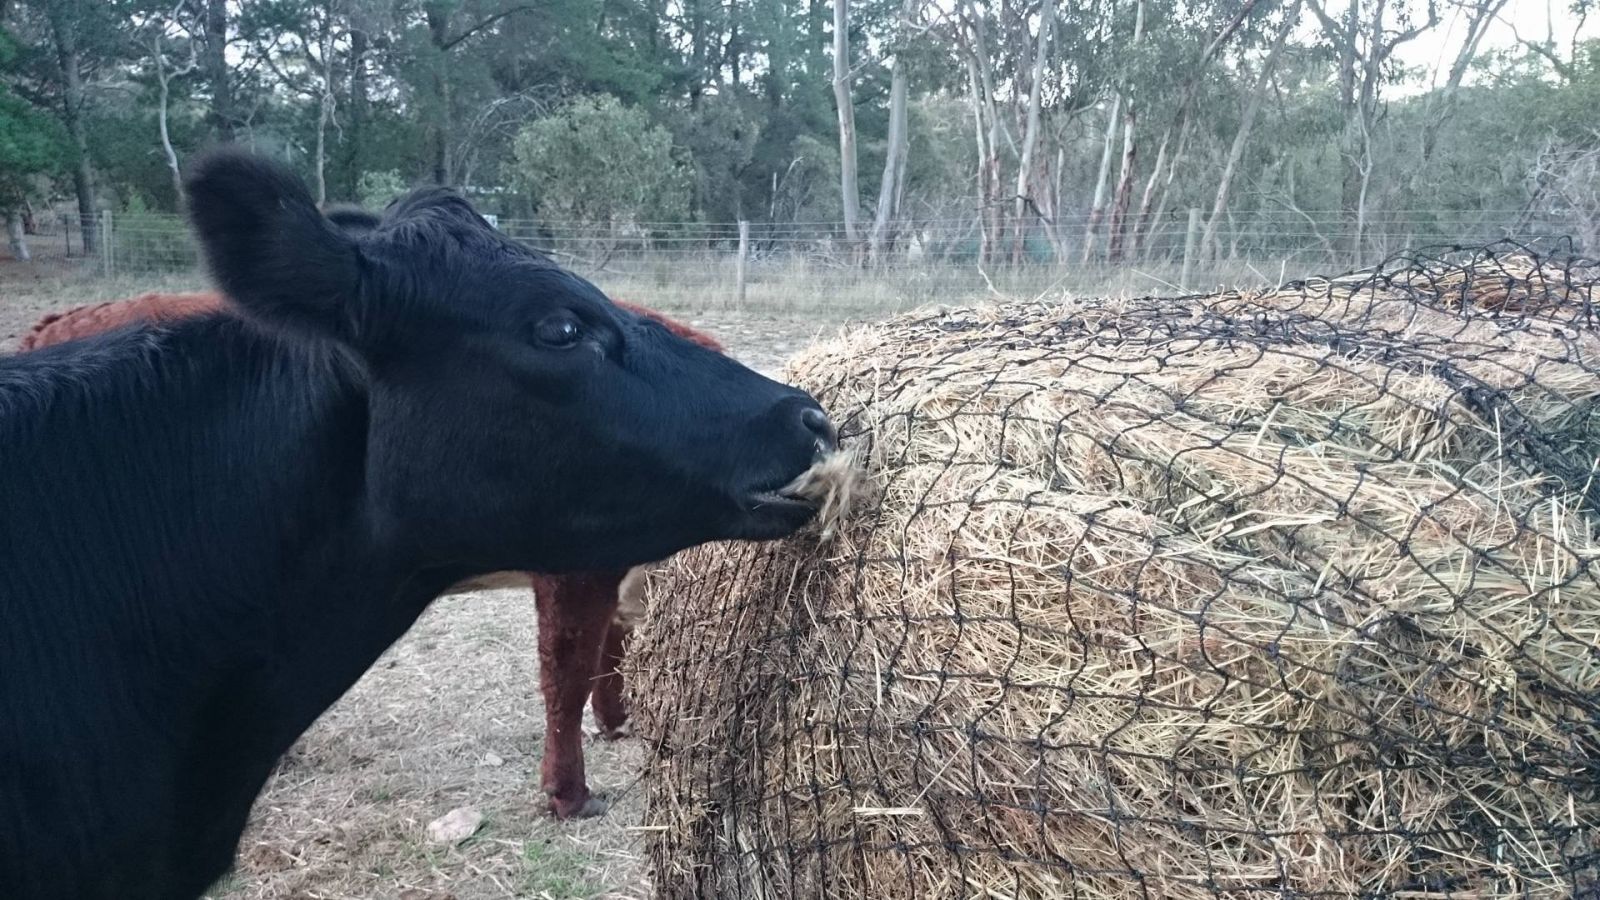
<point>1152,600</point>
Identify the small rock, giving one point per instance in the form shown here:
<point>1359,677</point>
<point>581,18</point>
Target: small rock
<point>455,826</point>
<point>493,759</point>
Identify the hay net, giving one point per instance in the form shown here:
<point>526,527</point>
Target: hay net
<point>1289,593</point>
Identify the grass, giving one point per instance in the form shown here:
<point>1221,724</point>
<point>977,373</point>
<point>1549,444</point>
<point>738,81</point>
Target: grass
<point>789,285</point>
<point>555,873</point>
<point>810,286</point>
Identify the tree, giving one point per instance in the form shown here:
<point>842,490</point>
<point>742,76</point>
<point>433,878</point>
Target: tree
<point>302,43</point>
<point>1030,137</point>
<point>720,139</point>
<point>1441,103</point>
<point>80,37</point>
<point>158,28</point>
<point>31,145</point>
<point>926,126</point>
<point>972,39</point>
<point>1177,132</point>
<point>849,193</point>
<point>1246,123</point>
<point>892,183</point>
<point>1120,112</point>
<point>446,37</point>
<point>1364,43</point>
<point>597,161</point>
<point>1124,196</point>
<point>214,59</point>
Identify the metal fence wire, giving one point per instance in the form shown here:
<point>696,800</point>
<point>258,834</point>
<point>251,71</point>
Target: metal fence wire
<point>1284,593</point>
<point>810,265</point>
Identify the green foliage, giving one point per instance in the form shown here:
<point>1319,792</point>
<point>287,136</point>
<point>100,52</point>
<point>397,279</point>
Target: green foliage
<point>374,190</point>
<point>807,189</point>
<point>599,161</point>
<point>31,145</point>
<point>630,111</point>
<point>721,139</point>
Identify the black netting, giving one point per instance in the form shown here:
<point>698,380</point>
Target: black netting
<point>1289,593</point>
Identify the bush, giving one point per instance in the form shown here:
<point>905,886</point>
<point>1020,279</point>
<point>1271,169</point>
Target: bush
<point>374,190</point>
<point>597,161</point>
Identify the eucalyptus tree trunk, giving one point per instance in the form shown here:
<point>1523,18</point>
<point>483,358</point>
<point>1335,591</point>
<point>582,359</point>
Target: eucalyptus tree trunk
<point>1130,149</point>
<point>65,35</point>
<point>891,187</point>
<point>1097,207</point>
<point>1030,135</point>
<point>163,80</point>
<point>849,193</point>
<point>1177,134</point>
<point>214,59</point>
<point>15,237</point>
<point>1241,138</point>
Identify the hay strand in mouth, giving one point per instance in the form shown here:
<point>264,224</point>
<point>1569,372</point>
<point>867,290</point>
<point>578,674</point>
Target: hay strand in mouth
<point>835,484</point>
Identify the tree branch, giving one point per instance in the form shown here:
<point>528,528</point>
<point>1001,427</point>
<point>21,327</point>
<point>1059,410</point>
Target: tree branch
<point>449,44</point>
<point>1567,72</point>
<point>1329,26</point>
<point>1409,34</point>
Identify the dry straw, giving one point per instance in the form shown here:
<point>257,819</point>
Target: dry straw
<point>1286,594</point>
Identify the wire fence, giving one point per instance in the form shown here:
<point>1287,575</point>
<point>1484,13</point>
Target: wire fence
<point>1286,594</point>
<point>908,263</point>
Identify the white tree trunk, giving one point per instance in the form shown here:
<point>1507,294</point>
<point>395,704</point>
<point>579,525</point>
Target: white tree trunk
<point>1178,132</point>
<point>1124,198</point>
<point>980,60</point>
<point>1030,135</point>
<point>15,237</point>
<point>322,152</point>
<point>1241,138</point>
<point>894,160</point>
<point>849,194</point>
<point>327,106</point>
<point>1097,208</point>
<point>163,79</point>
<point>985,152</point>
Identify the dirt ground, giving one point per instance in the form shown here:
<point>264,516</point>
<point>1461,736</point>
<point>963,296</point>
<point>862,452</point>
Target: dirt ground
<point>451,716</point>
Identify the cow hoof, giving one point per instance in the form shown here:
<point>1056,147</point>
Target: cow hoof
<point>591,807</point>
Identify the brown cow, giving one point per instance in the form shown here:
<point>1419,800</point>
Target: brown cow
<point>584,619</point>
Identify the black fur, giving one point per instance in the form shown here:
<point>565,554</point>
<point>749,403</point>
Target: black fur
<point>209,530</point>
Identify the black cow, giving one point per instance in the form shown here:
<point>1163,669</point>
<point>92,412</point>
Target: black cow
<point>209,530</point>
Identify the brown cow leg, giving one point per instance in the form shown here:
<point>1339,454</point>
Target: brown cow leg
<point>610,712</point>
<point>574,612</point>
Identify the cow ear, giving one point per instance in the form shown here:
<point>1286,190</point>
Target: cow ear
<point>270,249</point>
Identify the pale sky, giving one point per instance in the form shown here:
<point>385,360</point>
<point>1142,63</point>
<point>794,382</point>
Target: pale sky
<point>1532,19</point>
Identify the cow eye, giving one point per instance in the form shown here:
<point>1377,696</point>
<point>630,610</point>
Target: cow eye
<point>559,331</point>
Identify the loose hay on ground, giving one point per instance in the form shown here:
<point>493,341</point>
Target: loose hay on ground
<point>1198,599</point>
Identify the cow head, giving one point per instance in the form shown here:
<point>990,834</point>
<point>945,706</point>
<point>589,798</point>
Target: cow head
<point>518,418</point>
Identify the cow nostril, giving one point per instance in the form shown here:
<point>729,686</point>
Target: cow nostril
<point>816,422</point>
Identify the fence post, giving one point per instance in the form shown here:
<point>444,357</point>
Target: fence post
<point>744,254</point>
<point>107,251</point>
<point>1189,240</point>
